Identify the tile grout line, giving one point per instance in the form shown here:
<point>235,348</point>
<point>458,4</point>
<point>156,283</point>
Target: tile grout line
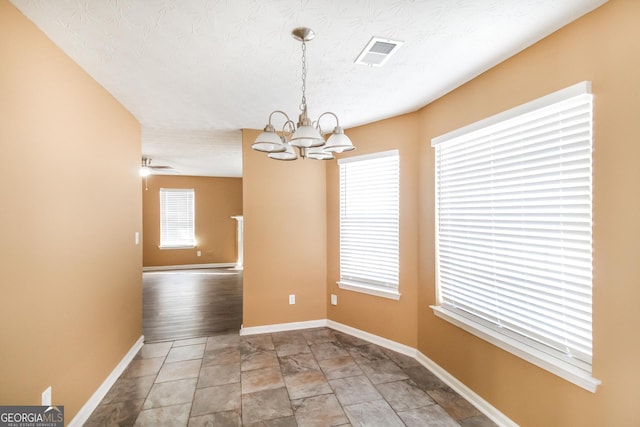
<point>195,389</point>
<point>293,414</point>
<point>362,356</point>
<point>164,360</point>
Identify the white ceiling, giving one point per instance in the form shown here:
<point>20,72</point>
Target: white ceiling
<point>195,72</point>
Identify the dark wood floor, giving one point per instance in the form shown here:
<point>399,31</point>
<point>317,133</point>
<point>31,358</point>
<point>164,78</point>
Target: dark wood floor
<point>182,304</point>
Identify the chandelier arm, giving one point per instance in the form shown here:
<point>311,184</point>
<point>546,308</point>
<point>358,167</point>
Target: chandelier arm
<point>290,129</point>
<point>324,114</point>
<point>329,113</point>
<point>316,124</point>
<point>281,112</point>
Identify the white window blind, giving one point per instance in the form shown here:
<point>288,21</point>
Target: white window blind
<point>513,227</point>
<point>177,218</point>
<point>369,211</point>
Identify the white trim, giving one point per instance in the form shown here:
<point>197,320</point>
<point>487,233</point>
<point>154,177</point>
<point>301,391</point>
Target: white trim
<point>281,327</point>
<point>177,247</point>
<point>531,354</point>
<point>370,156</point>
<point>374,339</point>
<point>90,405</point>
<point>472,397</point>
<point>189,266</point>
<point>378,291</point>
<point>552,98</point>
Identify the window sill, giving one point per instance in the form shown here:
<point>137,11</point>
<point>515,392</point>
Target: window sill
<point>530,354</point>
<point>369,289</point>
<point>177,247</point>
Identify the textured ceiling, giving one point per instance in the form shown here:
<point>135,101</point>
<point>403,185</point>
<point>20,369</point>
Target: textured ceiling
<point>195,72</point>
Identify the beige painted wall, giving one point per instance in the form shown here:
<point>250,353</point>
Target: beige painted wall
<point>602,47</point>
<point>395,320</point>
<point>75,305</point>
<point>285,233</point>
<point>71,203</point>
<point>216,201</point>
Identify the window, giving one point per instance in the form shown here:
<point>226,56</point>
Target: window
<point>369,210</point>
<point>513,231</point>
<point>177,218</point>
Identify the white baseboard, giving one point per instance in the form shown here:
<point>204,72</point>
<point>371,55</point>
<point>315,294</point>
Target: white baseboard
<point>87,409</point>
<point>482,405</point>
<point>374,339</point>
<point>281,327</point>
<point>189,266</point>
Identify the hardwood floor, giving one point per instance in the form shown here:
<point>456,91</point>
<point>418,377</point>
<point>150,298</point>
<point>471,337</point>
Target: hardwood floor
<point>181,304</point>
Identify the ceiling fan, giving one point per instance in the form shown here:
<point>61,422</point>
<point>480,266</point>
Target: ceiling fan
<point>146,169</point>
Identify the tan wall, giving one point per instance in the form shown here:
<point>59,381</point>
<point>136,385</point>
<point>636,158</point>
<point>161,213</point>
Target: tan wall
<point>71,204</point>
<point>216,201</point>
<point>285,237</point>
<point>602,47</point>
<point>395,320</point>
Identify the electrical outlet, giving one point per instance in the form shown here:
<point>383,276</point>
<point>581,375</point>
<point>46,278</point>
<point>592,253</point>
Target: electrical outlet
<point>199,253</point>
<point>292,299</point>
<point>334,299</point>
<point>46,397</point>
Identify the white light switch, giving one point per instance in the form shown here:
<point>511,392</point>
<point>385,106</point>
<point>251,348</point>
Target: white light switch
<point>292,299</point>
<point>137,237</point>
<point>46,397</point>
<point>334,299</point>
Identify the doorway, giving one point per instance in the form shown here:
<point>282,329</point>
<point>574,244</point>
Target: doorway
<point>181,304</point>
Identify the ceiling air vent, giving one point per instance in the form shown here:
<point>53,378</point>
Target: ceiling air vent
<point>378,51</point>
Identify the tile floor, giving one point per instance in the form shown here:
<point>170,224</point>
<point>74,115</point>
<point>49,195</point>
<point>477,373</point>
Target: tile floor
<point>313,377</point>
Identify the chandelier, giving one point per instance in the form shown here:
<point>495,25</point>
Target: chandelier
<point>307,135</point>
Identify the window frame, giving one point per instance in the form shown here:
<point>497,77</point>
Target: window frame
<point>513,342</point>
<point>188,243</point>
<point>388,289</point>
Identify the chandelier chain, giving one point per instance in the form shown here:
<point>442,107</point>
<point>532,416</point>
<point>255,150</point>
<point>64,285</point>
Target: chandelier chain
<point>303,106</point>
